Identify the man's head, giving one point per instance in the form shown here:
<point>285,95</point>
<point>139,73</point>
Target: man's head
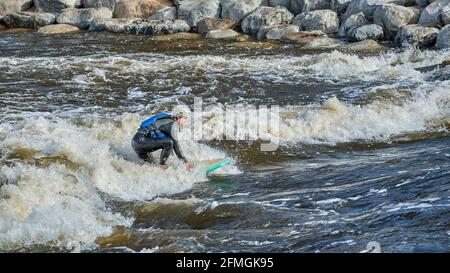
<point>180,114</point>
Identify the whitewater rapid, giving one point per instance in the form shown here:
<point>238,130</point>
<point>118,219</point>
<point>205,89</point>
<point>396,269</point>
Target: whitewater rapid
<point>58,162</point>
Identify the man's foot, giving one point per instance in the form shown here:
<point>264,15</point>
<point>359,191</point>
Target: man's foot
<point>163,166</point>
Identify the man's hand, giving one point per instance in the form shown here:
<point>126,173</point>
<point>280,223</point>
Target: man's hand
<point>188,166</point>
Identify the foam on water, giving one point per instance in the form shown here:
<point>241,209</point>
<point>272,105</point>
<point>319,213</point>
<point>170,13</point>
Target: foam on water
<point>59,200</point>
<point>337,122</point>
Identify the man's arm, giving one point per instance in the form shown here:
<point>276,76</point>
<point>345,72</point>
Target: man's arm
<point>171,132</point>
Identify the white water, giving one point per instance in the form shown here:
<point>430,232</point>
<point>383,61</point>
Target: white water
<point>57,202</point>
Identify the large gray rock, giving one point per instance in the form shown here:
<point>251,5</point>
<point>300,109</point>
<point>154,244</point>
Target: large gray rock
<point>193,11</point>
<point>27,19</point>
<point>168,13</point>
<point>324,20</point>
<point>110,4</point>
<point>139,8</point>
<point>266,17</point>
<point>416,35</point>
<point>157,27</point>
<point>299,6</point>
<point>352,22</point>
<point>82,18</point>
<point>239,9</point>
<point>372,31</point>
<point>367,7</point>
<point>222,34</point>
<point>391,17</point>
<point>445,16</point>
<point>58,29</point>
<point>13,6</point>
<point>443,38</point>
<point>114,25</point>
<point>275,33</point>
<point>437,14</point>
<point>55,6</point>
<point>208,24</point>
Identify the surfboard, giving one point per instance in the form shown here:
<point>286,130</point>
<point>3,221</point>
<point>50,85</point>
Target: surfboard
<point>218,165</point>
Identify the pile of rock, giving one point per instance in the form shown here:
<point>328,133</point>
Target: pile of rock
<point>420,23</point>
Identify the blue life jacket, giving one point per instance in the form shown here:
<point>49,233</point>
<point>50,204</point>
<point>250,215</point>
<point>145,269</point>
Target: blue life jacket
<point>154,132</point>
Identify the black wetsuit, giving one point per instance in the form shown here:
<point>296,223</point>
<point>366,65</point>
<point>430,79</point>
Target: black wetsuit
<point>143,143</point>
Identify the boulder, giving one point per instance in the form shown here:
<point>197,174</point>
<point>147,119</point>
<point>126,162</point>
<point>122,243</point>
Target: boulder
<point>157,27</point>
<point>222,34</point>
<point>352,22</point>
<point>13,6</point>
<point>114,25</point>
<point>416,35</point>
<point>302,37</point>
<point>391,17</point>
<point>372,32</point>
<point>208,24</point>
<point>55,6</point>
<point>265,17</point>
<point>275,33</point>
<point>436,14</point>
<point>445,17</point>
<point>324,20</point>
<point>193,11</point>
<point>443,37</point>
<point>139,8</point>
<point>339,6</point>
<point>367,7</point>
<point>58,29</point>
<point>110,4</point>
<point>299,6</point>
<point>239,9</point>
<point>164,14</point>
<point>82,18</point>
<point>27,19</point>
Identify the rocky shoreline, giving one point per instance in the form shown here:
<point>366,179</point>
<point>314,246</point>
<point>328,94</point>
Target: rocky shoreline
<point>310,23</point>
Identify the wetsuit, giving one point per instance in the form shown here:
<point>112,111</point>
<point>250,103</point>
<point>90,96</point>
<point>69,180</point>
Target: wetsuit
<point>145,141</point>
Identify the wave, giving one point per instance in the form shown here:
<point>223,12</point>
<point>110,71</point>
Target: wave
<point>57,169</point>
<point>336,66</point>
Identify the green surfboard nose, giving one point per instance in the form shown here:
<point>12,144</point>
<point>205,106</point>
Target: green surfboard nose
<point>218,165</point>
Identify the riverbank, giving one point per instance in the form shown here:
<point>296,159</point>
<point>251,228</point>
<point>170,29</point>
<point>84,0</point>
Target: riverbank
<point>312,24</point>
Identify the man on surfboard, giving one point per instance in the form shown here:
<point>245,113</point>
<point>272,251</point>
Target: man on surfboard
<point>159,132</point>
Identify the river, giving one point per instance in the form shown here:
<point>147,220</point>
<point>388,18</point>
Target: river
<point>363,152</point>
